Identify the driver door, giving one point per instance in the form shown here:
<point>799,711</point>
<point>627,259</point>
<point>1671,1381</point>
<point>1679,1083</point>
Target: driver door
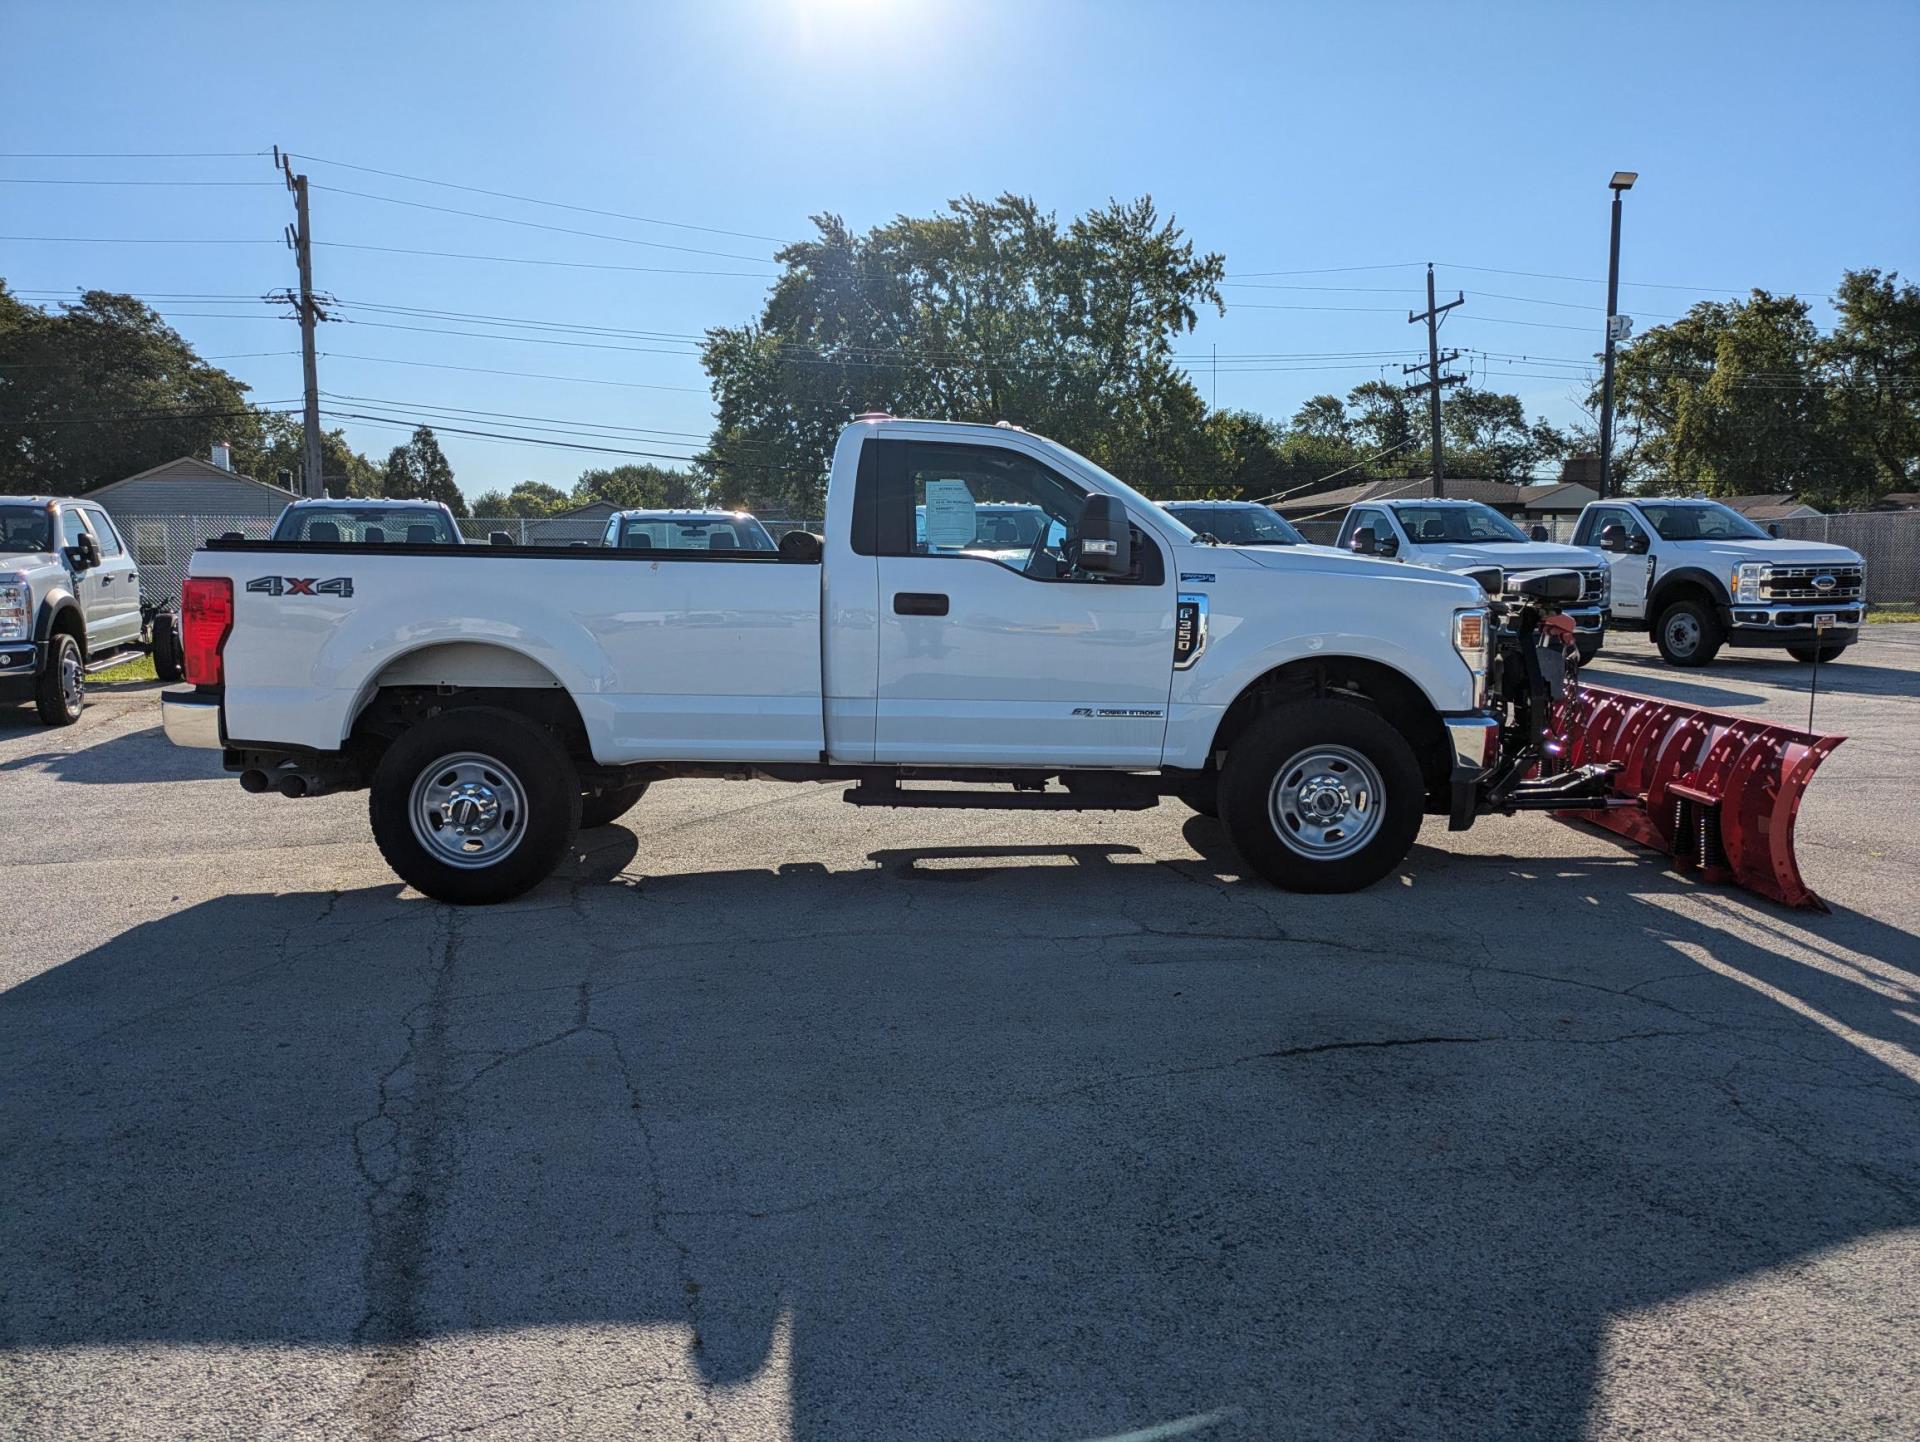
<point>999,653</point>
<point>1628,568</point>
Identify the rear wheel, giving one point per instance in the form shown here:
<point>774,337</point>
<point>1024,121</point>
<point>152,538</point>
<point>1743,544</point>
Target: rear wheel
<point>1322,796</point>
<point>1688,633</point>
<point>60,693</point>
<point>1805,655</point>
<point>474,806</point>
<point>609,806</point>
<point>167,655</point>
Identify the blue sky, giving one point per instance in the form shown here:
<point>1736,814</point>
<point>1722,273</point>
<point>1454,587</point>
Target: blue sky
<point>1776,145</point>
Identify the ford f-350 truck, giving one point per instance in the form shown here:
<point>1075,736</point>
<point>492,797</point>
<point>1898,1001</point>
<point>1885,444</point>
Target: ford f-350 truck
<point>494,699</point>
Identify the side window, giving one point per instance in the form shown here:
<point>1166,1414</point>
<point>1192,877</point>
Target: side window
<point>1596,520</point>
<point>72,528</point>
<point>1353,522</point>
<point>1362,517</point>
<point>612,535</point>
<point>985,503</point>
<point>104,532</point>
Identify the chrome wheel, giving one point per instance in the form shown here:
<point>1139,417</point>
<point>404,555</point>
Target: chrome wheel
<point>1327,802</point>
<point>468,810</point>
<point>1683,633</point>
<point>73,682</point>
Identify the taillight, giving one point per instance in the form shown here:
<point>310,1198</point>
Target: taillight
<point>206,620</point>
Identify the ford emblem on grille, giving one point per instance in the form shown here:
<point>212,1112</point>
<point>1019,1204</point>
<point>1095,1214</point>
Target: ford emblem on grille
<point>1823,583</point>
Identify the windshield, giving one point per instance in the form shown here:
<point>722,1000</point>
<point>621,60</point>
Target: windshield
<point>25,528</point>
<point>694,533</point>
<point>1700,521</point>
<point>1248,525</point>
<point>366,525</point>
<point>1473,524</point>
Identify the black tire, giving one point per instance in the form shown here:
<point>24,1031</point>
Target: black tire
<point>60,690</point>
<point>1201,796</point>
<point>1805,654</point>
<point>168,659</point>
<point>609,806</point>
<point>1689,633</point>
<point>1280,761</point>
<point>1589,647</point>
<point>501,758</point>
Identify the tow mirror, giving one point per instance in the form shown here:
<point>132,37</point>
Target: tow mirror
<point>499,538</point>
<point>1613,537</point>
<point>1106,538</point>
<point>84,553</point>
<point>1364,542</point>
<point>1639,542</point>
<point>1773,529</point>
<point>1538,533</point>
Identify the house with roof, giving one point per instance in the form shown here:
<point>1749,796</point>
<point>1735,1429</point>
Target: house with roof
<point>1761,509</point>
<point>168,509</point>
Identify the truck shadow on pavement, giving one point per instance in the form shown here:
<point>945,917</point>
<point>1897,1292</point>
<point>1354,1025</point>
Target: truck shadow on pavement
<point>132,758</point>
<point>1052,1142</point>
<point>1846,677</point>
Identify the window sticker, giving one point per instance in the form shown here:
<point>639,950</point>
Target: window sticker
<point>950,515</point>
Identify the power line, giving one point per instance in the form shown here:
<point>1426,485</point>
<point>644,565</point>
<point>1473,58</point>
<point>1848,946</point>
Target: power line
<point>534,260</point>
<point>538,225</point>
<point>130,240</point>
<point>130,154</point>
<point>223,184</point>
<point>555,204</point>
<point>525,375</point>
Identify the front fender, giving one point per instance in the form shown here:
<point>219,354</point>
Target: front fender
<point>50,607</point>
<point>1667,582</point>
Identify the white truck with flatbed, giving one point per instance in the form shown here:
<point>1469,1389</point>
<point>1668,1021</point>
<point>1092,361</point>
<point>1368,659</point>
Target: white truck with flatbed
<point>1699,575</point>
<point>494,699</point>
<point>1460,535</point>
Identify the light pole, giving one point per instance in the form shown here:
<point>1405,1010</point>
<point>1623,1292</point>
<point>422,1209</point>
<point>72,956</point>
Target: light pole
<point>1622,181</point>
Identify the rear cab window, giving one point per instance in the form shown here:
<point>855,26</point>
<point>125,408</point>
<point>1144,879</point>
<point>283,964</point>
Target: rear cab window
<point>367,526</point>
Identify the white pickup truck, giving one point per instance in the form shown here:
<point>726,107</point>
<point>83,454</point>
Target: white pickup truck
<point>495,698</point>
<point>1466,535</point>
<point>1699,575</point>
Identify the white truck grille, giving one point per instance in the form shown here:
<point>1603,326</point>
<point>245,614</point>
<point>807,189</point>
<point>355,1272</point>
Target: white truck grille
<point>1801,583</point>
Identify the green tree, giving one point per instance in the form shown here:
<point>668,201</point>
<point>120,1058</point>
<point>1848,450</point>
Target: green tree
<point>418,471</point>
<point>277,456</point>
<point>990,310</point>
<point>101,388</point>
<point>527,498</point>
<point>1323,417</point>
<point>634,487</point>
<point>1379,423</point>
<point>1872,372</point>
<point>1487,435</point>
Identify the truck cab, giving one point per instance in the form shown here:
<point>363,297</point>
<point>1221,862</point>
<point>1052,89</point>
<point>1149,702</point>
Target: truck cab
<point>1699,576</point>
<point>1468,535</point>
<point>69,600</point>
<point>369,521</point>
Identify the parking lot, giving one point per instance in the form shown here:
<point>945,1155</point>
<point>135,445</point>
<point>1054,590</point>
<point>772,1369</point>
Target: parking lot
<point>777,1118</point>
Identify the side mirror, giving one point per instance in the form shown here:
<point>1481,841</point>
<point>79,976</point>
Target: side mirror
<point>1106,538</point>
<point>801,546</point>
<point>1538,533</point>
<point>499,538</point>
<point>1639,542</point>
<point>1773,529</point>
<point>1364,542</point>
<point>84,553</point>
<point>1613,537</point>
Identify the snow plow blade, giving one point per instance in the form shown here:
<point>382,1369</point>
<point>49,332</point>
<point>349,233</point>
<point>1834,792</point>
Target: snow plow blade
<point>1719,793</point>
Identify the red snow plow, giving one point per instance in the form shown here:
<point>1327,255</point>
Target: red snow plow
<point>1718,793</point>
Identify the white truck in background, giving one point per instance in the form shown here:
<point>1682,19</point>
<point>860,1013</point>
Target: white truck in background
<point>493,699</point>
<point>1467,535</point>
<point>1699,576</point>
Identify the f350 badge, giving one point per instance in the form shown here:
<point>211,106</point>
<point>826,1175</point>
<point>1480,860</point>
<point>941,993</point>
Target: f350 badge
<point>301,586</point>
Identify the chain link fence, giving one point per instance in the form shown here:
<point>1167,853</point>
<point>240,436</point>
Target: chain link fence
<point>1889,540</point>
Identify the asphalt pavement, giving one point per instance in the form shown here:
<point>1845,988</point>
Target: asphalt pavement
<point>776,1118</point>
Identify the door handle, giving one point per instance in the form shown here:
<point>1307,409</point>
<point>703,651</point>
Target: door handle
<point>919,603</point>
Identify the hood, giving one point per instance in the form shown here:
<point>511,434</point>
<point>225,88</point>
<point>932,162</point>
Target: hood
<point>1532,556</point>
<point>1781,552</point>
<point>1330,561</point>
<point>26,560</point>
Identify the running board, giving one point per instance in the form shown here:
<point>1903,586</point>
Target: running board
<point>869,794</point>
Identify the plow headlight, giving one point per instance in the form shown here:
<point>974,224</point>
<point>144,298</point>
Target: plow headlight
<point>1746,581</point>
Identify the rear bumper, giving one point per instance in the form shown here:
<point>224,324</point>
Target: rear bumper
<point>191,718</point>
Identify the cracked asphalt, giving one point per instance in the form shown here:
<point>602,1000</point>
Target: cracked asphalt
<point>775,1118</point>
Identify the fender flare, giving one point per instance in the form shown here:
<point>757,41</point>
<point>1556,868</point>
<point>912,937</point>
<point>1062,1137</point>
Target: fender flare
<point>57,604</point>
<point>1697,577</point>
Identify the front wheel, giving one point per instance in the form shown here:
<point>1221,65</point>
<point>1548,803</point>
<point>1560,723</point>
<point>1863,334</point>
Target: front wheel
<point>474,806</point>
<point>1806,655</point>
<point>60,694</point>
<point>1688,633</point>
<point>1322,796</point>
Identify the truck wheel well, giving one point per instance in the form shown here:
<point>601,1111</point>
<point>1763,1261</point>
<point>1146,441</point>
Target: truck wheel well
<point>67,620</point>
<point>395,709</point>
<point>1680,588</point>
<point>1369,683</point>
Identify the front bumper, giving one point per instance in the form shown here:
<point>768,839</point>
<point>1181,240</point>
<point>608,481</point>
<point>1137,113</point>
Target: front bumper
<point>1792,624</point>
<point>1475,738</point>
<point>191,717</point>
<point>19,665</point>
<point>1589,620</point>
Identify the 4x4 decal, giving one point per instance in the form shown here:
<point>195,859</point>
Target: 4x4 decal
<point>301,586</point>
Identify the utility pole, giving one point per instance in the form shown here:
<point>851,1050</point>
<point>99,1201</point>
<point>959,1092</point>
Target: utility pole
<point>300,241</point>
<point>1434,381</point>
<point>1618,328</point>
